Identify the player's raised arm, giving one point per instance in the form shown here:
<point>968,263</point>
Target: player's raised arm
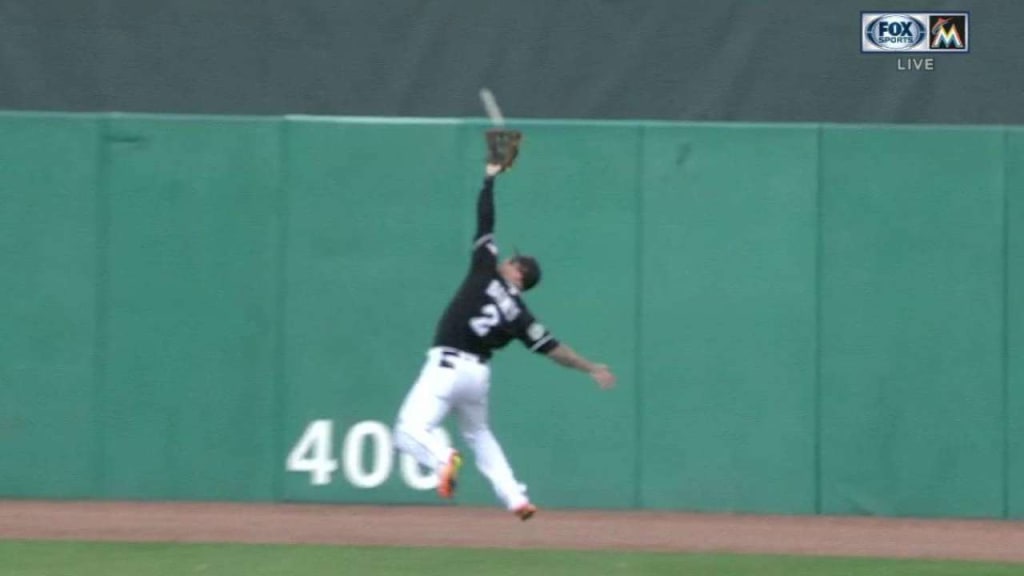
<point>568,357</point>
<point>485,208</point>
<point>502,151</point>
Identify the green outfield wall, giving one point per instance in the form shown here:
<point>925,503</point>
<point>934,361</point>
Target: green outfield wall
<point>805,319</point>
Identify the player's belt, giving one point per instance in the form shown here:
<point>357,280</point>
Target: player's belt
<point>456,353</point>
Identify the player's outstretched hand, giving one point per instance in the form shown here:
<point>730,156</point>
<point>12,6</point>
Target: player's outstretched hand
<point>603,376</point>
<point>494,169</point>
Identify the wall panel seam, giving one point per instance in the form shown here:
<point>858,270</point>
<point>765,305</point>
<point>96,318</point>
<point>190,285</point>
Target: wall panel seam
<point>101,287</point>
<point>638,355</point>
<point>818,312</point>
<point>281,314</point>
<point>1005,412</point>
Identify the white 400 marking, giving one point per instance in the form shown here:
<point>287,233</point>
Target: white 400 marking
<point>313,453</point>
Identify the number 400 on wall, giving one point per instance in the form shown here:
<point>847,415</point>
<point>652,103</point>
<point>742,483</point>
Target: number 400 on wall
<point>314,453</point>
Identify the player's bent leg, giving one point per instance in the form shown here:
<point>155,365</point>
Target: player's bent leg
<point>490,458</point>
<point>419,443</point>
<point>492,463</point>
<point>423,410</point>
<point>437,455</point>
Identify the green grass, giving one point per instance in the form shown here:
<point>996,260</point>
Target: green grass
<point>114,559</point>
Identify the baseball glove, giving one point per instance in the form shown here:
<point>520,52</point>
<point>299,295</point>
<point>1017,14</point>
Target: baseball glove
<point>503,147</point>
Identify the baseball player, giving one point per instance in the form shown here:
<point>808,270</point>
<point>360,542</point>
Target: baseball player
<point>486,313</point>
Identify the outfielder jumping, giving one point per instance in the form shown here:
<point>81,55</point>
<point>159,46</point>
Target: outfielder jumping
<point>486,313</point>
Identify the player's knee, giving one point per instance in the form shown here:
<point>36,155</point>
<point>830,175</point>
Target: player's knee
<point>405,433</point>
<point>471,435</point>
<point>400,436</point>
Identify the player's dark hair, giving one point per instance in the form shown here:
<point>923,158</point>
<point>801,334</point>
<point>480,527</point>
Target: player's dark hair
<point>530,269</point>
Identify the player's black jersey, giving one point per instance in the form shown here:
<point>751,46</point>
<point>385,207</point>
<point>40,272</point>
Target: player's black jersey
<point>487,312</point>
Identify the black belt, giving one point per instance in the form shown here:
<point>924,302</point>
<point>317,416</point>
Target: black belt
<point>449,352</point>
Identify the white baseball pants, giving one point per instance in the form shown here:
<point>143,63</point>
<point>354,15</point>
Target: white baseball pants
<point>455,381</point>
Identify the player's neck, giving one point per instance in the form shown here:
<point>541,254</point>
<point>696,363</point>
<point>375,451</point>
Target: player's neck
<point>513,286</point>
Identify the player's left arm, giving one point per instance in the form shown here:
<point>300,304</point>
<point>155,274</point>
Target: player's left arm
<point>569,358</point>
<point>538,339</point>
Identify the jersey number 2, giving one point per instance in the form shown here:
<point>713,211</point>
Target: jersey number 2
<point>488,319</point>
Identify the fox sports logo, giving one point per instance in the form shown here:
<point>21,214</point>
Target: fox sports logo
<point>895,32</point>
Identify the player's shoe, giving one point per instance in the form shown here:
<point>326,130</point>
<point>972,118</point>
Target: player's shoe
<point>525,512</point>
<point>448,476</point>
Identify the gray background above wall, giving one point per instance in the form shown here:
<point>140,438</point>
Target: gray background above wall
<point>732,60</point>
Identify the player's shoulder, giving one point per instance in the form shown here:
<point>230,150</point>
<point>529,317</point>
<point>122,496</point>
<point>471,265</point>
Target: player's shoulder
<point>521,302</point>
<point>486,244</point>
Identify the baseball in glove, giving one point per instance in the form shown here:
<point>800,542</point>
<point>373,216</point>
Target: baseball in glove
<point>503,147</point>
